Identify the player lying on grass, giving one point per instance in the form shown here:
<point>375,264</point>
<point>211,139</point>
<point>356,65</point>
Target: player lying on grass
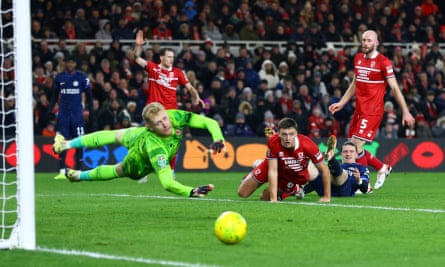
<point>346,177</point>
<point>150,148</point>
<point>286,165</point>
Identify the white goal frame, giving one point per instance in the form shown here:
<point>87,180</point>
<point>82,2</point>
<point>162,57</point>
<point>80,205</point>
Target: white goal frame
<point>23,235</point>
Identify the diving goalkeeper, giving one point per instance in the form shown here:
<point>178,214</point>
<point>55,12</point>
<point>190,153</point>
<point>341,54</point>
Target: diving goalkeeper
<point>150,149</point>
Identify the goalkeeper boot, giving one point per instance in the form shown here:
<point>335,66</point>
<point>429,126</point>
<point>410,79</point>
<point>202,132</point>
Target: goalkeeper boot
<point>59,144</point>
<point>61,175</point>
<point>72,175</point>
<point>331,145</point>
<point>382,175</point>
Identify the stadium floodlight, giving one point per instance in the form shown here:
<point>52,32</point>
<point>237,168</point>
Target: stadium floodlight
<point>17,207</point>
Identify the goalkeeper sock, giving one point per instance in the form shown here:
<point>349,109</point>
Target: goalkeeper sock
<point>105,172</point>
<point>96,139</point>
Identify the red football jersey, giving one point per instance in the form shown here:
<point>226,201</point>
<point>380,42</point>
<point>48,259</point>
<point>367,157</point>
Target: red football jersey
<point>370,77</point>
<point>163,84</point>
<point>293,162</point>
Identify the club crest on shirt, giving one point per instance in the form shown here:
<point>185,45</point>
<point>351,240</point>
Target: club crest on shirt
<point>290,185</point>
<point>75,83</point>
<point>162,161</point>
<point>372,64</point>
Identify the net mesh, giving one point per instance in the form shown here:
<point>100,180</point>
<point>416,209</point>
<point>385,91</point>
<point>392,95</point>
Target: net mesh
<point>8,182</point>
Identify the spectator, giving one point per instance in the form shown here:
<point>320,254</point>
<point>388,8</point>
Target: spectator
<point>300,115</point>
<point>211,31</point>
<point>440,102</point>
<point>189,10</point>
<point>105,30</point>
<point>240,127</point>
<point>248,32</point>
<point>82,25</point>
<point>229,33</point>
<point>438,130</point>
<point>122,30</point>
<point>429,109</point>
<point>267,121</point>
<point>162,31</point>
<point>269,73</point>
<point>68,31</point>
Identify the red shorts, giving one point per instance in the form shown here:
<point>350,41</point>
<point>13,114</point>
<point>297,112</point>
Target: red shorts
<point>364,127</point>
<point>286,183</point>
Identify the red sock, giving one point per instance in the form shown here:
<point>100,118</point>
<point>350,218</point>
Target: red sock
<point>361,159</point>
<point>373,161</point>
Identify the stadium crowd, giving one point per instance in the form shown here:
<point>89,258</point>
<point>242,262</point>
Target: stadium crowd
<point>258,86</point>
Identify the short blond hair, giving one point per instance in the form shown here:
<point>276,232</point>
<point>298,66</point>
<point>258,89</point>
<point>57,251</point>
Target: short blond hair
<point>151,110</point>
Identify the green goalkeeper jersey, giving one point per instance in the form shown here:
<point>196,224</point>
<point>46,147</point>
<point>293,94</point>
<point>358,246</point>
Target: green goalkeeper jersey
<point>148,152</point>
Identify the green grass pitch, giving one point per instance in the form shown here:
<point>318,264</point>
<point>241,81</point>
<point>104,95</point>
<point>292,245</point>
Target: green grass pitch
<point>123,223</point>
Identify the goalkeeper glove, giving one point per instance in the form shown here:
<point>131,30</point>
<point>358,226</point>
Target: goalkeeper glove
<point>201,191</point>
<point>216,147</point>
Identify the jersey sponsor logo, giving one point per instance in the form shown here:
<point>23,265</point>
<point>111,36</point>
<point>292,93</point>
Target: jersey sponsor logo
<point>70,91</point>
<point>161,161</point>
<point>165,79</point>
<point>293,163</point>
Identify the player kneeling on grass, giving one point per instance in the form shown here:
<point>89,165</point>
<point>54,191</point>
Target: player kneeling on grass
<point>150,149</point>
<point>346,177</point>
<point>286,165</point>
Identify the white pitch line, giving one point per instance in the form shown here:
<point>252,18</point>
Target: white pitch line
<point>121,258</point>
<point>425,210</point>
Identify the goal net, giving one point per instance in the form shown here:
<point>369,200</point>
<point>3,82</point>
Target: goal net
<point>17,218</point>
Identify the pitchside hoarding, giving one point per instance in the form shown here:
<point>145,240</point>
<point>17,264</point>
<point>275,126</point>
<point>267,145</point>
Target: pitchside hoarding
<point>405,155</point>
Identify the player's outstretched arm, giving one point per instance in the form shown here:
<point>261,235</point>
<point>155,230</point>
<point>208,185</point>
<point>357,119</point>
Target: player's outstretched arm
<point>138,49</point>
<point>171,185</point>
<point>196,100</point>
<point>350,92</point>
<point>203,122</point>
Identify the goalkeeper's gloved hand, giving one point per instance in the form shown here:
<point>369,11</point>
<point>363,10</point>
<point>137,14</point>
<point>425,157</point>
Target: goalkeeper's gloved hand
<point>269,131</point>
<point>216,147</point>
<point>201,191</point>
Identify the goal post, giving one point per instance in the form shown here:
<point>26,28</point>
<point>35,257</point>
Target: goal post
<point>17,192</point>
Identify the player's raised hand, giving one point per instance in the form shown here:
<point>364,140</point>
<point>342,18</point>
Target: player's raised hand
<point>201,191</point>
<point>216,147</point>
<point>140,38</point>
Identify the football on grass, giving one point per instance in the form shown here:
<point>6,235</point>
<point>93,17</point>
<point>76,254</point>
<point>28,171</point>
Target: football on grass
<point>230,227</point>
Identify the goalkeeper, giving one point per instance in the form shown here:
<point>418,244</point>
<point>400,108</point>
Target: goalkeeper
<point>150,149</point>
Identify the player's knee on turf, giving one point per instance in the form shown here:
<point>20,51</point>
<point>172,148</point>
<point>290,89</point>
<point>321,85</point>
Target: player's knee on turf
<point>247,187</point>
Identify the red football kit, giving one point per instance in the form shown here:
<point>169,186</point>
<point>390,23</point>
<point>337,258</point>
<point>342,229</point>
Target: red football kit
<point>163,83</point>
<point>371,76</point>
<point>292,162</point>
